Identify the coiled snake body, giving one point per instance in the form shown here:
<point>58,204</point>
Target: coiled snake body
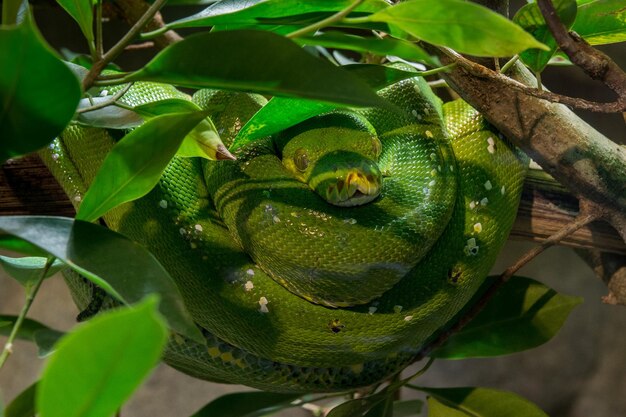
<point>294,293</point>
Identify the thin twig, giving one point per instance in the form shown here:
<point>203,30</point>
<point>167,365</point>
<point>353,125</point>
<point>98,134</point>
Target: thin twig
<point>579,103</point>
<point>325,22</point>
<point>506,67</point>
<point>118,48</point>
<point>596,64</point>
<point>99,39</point>
<point>109,102</point>
<point>138,46</point>
<point>30,296</point>
<point>581,220</point>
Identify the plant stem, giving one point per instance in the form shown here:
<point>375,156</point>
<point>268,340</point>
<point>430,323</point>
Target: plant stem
<point>118,48</point>
<point>325,22</point>
<point>437,70</point>
<point>99,41</point>
<point>30,296</point>
<point>509,64</point>
<point>109,102</point>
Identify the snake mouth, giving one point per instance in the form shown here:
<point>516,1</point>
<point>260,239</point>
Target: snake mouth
<point>354,189</point>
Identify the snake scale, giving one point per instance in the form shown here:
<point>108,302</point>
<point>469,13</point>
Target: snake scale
<point>314,262</point>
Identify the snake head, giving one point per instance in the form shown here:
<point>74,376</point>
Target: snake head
<point>336,155</point>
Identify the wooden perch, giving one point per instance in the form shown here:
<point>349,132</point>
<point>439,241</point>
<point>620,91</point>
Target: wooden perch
<point>26,187</point>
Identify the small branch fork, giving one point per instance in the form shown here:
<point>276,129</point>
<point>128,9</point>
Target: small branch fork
<point>119,47</point>
<point>585,217</point>
<point>579,103</point>
<point>595,63</point>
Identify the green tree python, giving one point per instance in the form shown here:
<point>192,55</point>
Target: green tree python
<point>324,258</point>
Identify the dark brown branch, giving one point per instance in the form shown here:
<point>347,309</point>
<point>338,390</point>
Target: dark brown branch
<point>574,102</point>
<point>611,268</point>
<point>139,46</point>
<point>596,64</point>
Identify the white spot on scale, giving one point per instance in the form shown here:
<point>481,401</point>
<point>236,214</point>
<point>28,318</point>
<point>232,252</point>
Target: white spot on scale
<point>182,231</point>
<point>478,227</point>
<point>502,190</point>
<point>78,198</point>
<point>250,272</point>
<point>248,286</point>
<point>408,318</point>
<point>433,156</point>
<point>484,201</point>
<point>372,310</point>
<point>263,305</point>
<point>163,204</point>
<point>414,112</point>
<point>490,141</point>
<point>276,219</point>
<point>472,205</point>
<point>55,156</point>
<point>198,227</point>
<point>429,134</point>
<point>433,172</point>
<point>491,149</point>
<point>488,185</point>
<point>104,93</point>
<point>432,183</point>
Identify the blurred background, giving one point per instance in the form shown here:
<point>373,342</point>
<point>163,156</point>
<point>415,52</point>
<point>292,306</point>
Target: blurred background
<point>579,373</point>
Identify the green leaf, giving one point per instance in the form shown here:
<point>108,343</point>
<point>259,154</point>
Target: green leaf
<point>280,113</point>
<point>134,165</point>
<point>82,12</point>
<point>97,366</point>
<point>35,105</point>
<point>438,409</point>
<point>255,61</point>
<point>24,404</point>
<point>407,408</point>
<point>385,46</point>
<point>482,402</point>
<point>33,331</point>
<point>235,14</point>
<point>118,265</point>
<point>27,270</point>
<point>523,314</point>
<point>601,21</point>
<point>376,405</point>
<point>530,18</point>
<point>460,25</point>
<point>246,404</point>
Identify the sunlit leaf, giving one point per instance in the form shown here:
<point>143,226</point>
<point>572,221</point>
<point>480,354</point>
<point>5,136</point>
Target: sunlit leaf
<point>523,314</point>
<point>438,409</point>
<point>255,61</point>
<point>82,12</point>
<point>481,402</point>
<point>601,21</point>
<point>134,165</point>
<point>35,105</point>
<point>24,404</point>
<point>238,14</point>
<point>121,267</point>
<point>246,404</point>
<point>460,25</point>
<point>280,113</point>
<point>97,366</point>
<point>530,18</point>
<point>385,46</point>
<point>108,117</point>
<point>27,270</point>
<point>33,331</point>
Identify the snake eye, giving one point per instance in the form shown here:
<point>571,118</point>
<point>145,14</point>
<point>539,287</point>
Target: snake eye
<point>377,147</point>
<point>301,159</point>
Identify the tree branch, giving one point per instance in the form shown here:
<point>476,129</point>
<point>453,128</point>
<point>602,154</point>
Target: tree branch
<point>596,64</point>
